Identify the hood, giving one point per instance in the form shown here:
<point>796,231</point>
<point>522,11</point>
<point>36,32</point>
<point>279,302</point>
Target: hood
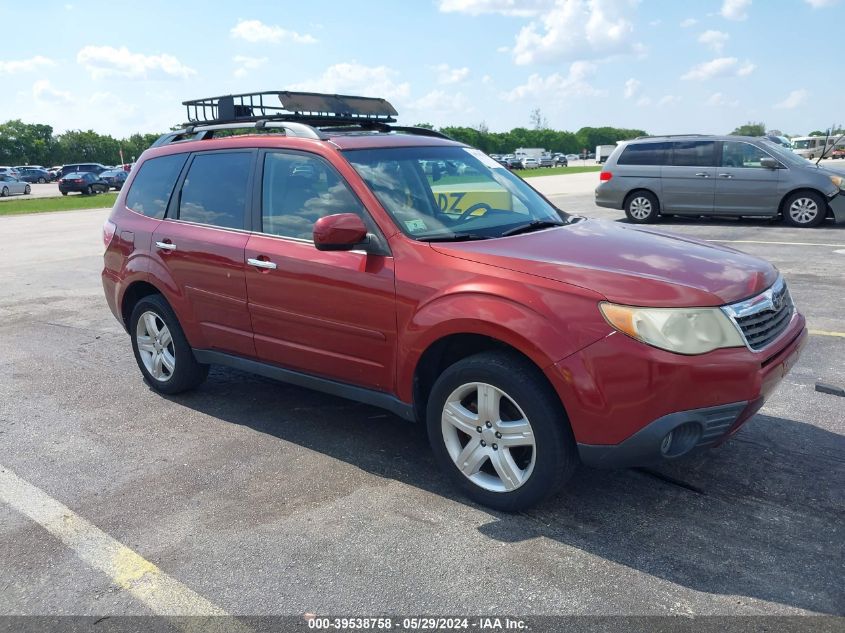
<point>626,264</point>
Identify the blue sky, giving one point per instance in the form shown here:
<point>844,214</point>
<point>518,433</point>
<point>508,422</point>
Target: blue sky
<point>660,65</point>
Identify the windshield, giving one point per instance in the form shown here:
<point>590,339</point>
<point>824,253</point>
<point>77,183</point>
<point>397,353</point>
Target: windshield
<point>451,193</point>
<point>783,154</point>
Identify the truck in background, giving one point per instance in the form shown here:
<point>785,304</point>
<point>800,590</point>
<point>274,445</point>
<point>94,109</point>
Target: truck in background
<point>603,152</point>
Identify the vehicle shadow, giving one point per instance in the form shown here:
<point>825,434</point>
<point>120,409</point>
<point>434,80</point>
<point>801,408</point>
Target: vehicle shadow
<point>719,220</point>
<point>763,516</point>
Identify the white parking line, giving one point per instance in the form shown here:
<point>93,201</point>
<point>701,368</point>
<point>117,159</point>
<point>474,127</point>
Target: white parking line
<point>127,569</point>
<point>782,243</point>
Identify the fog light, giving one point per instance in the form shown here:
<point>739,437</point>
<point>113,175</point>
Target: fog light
<point>680,440</point>
<point>666,444</point>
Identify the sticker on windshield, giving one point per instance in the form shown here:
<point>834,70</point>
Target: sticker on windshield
<point>484,158</point>
<point>415,226</point>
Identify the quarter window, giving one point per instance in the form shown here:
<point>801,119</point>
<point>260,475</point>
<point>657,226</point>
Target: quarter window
<point>153,185</point>
<point>736,154</point>
<point>298,190</point>
<point>693,153</point>
<point>645,154</point>
<point>215,190</point>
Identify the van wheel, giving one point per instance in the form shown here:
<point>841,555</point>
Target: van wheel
<point>161,349</point>
<point>642,207</point>
<point>804,209</point>
<point>499,431</point>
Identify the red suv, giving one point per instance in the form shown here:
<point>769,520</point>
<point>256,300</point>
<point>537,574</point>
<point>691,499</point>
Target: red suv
<point>399,268</point>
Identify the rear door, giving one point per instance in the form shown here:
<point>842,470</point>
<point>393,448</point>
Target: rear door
<point>333,313</point>
<point>200,244</point>
<point>743,185</point>
<point>689,179</point>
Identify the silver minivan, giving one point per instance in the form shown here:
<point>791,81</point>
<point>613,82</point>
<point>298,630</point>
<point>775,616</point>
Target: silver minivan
<point>718,175</point>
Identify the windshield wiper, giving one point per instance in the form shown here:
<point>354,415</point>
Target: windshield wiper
<point>455,237</point>
<point>535,225</point>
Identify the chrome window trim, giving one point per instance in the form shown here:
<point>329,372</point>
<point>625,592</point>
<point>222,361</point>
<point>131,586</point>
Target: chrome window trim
<point>756,304</point>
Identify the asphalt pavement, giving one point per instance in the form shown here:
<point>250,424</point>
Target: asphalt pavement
<point>254,497</point>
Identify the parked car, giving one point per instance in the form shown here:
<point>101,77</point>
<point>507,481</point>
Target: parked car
<point>514,162</point>
<point>561,160</point>
<point>527,340</point>
<point>547,161</point>
<point>86,183</point>
<point>114,178</point>
<point>31,174</point>
<point>78,168</point>
<point>571,157</point>
<point>55,171</point>
<point>528,162</point>
<point>9,171</point>
<point>718,175</point>
<point>9,185</point>
<point>837,153</point>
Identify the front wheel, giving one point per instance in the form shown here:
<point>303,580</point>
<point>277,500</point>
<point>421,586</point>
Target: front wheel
<point>41,181</point>
<point>27,190</point>
<point>804,209</point>
<point>499,431</point>
<point>4,192</point>
<point>642,207</point>
<point>161,350</point>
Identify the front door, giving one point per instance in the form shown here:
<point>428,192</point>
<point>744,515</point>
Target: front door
<point>743,185</point>
<point>332,314</point>
<point>201,243</point>
<point>688,181</point>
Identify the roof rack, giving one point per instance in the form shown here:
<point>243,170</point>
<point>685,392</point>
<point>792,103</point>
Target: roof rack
<point>300,114</point>
<point>670,136</point>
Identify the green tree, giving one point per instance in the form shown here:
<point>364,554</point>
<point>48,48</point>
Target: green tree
<point>25,144</point>
<point>817,133</point>
<point>750,129</point>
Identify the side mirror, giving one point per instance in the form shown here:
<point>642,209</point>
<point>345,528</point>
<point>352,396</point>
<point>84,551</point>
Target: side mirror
<point>339,232</point>
<point>769,163</point>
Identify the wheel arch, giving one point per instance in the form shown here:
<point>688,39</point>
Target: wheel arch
<point>785,197</point>
<point>136,291</point>
<point>637,190</point>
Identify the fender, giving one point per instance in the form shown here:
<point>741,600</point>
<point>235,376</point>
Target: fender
<point>544,335</point>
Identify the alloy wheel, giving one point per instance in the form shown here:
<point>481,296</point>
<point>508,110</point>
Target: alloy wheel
<point>488,437</point>
<point>640,207</point>
<point>155,346</point>
<point>803,210</point>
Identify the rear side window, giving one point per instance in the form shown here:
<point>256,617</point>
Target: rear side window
<point>693,153</point>
<point>645,154</point>
<point>215,190</point>
<point>153,185</point>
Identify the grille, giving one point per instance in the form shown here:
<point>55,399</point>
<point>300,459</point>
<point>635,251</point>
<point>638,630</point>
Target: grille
<point>763,318</point>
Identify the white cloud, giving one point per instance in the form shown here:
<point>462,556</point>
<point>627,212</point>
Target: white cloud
<point>257,31</point>
<point>632,86</point>
<point>106,61</point>
<point>577,28</point>
<point>821,4</point>
<point>521,8</point>
<point>735,9</point>
<point>714,39</point>
<point>355,78</point>
<point>25,65</point>
<point>685,24</point>
<point>719,67</point>
<point>668,100</point>
<point>246,64</point>
<point>486,79</point>
<point>449,75</point>
<point>793,100</point>
<point>557,86</point>
<point>43,92</point>
<point>719,100</point>
<point>644,101</point>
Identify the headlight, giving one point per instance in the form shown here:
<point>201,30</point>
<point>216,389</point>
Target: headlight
<point>839,181</point>
<point>680,330</point>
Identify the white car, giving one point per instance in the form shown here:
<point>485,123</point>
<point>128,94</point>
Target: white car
<point>10,185</point>
<point>571,157</point>
<point>530,163</point>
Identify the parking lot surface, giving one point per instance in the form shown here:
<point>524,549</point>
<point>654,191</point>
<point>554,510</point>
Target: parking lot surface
<point>261,498</point>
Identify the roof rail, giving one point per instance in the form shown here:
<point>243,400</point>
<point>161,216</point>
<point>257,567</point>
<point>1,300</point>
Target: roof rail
<point>669,136</point>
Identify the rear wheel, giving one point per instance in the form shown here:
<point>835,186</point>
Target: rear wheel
<point>4,192</point>
<point>27,190</point>
<point>41,180</point>
<point>642,207</point>
<point>804,209</point>
<point>64,193</point>
<point>161,349</point>
<point>499,431</point>
<point>87,191</point>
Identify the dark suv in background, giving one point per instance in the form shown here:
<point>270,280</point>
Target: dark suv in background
<point>337,254</point>
<point>78,168</point>
<point>718,175</point>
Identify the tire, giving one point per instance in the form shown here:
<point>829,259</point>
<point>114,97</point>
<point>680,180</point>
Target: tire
<point>64,193</point>
<point>804,209</point>
<point>642,207</point>
<point>27,190</point>
<point>42,181</point>
<point>165,359</point>
<point>86,191</point>
<point>4,193</point>
<point>508,478</point>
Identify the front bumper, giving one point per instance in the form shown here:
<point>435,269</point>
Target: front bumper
<point>837,205</point>
<point>624,397</point>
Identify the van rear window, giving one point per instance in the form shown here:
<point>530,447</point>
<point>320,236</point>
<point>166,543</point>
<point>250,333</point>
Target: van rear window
<point>152,187</point>
<point>645,154</point>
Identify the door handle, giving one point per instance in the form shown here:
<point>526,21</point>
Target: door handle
<point>166,246</point>
<point>702,174</point>
<point>261,263</point>
<point>725,175</point>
